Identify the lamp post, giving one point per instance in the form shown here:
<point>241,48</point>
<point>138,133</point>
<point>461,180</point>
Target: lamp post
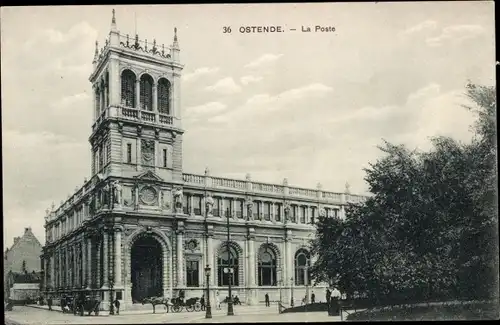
<point>280,282</point>
<point>291,287</point>
<point>208,313</point>
<point>230,311</point>
<point>208,209</point>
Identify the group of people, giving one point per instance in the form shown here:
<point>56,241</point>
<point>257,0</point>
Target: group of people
<point>236,301</point>
<point>77,303</point>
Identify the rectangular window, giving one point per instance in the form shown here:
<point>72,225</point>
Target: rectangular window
<point>192,273</point>
<point>294,213</point>
<point>335,213</point>
<point>185,203</point>
<point>197,205</point>
<point>267,211</point>
<point>313,215</point>
<point>277,214</point>
<point>227,208</point>
<point>303,214</point>
<point>239,209</point>
<point>256,210</point>
<point>165,158</point>
<point>129,153</point>
<point>216,208</point>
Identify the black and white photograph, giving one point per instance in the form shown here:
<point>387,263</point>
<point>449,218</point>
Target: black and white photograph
<point>241,163</point>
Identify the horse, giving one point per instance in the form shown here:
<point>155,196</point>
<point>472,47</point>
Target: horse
<point>157,301</point>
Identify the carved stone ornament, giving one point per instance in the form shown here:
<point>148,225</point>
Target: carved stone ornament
<point>322,212</point>
<point>178,196</point>
<point>192,245</point>
<point>209,202</point>
<point>117,192</point>
<point>148,152</point>
<point>166,201</point>
<point>128,195</point>
<point>148,195</point>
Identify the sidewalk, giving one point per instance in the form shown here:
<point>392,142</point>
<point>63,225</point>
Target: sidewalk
<point>247,310</point>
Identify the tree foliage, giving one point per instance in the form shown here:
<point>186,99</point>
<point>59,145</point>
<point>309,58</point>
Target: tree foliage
<point>430,230</point>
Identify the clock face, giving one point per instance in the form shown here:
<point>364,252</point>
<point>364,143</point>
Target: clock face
<point>148,195</point>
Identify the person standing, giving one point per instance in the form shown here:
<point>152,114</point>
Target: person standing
<point>49,302</point>
<point>117,306</point>
<point>266,297</point>
<point>217,300</point>
<point>313,298</point>
<point>202,302</point>
<point>334,302</point>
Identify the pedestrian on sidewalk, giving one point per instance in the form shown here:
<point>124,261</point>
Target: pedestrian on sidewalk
<point>313,298</point>
<point>202,302</point>
<point>217,300</point>
<point>49,302</point>
<point>117,306</point>
<point>267,299</point>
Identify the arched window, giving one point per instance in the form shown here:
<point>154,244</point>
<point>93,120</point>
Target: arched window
<point>97,102</point>
<point>302,263</point>
<point>146,96</point>
<point>267,267</point>
<point>227,267</point>
<point>128,88</point>
<point>106,85</point>
<point>164,96</point>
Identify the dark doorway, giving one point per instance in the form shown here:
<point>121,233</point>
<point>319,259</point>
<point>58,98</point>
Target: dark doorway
<point>146,269</point>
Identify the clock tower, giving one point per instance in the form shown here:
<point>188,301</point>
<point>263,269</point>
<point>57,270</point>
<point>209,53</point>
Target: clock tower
<point>137,114</point>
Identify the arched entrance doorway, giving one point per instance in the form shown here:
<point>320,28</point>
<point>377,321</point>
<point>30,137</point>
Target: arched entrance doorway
<point>146,268</point>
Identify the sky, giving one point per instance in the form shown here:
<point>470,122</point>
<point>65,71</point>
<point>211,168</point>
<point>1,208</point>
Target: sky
<point>311,107</point>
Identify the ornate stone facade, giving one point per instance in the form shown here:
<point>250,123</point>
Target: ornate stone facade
<point>140,226</point>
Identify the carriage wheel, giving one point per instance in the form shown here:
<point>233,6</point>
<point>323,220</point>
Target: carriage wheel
<point>176,308</point>
<point>197,306</point>
<point>190,308</point>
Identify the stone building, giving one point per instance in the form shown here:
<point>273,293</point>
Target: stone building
<point>21,259</point>
<point>142,227</point>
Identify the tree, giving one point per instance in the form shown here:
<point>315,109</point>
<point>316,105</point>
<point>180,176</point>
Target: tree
<point>430,229</point>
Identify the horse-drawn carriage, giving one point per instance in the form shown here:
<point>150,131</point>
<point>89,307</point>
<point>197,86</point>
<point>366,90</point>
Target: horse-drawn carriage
<point>191,304</point>
<point>81,304</point>
<point>174,304</point>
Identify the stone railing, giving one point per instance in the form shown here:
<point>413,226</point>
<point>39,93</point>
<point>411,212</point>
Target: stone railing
<point>296,191</point>
<point>133,114</point>
<point>271,189</point>
<point>268,188</point>
<point>193,179</point>
<point>151,48</point>
<point>228,183</point>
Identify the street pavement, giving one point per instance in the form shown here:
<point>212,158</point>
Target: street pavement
<point>38,315</point>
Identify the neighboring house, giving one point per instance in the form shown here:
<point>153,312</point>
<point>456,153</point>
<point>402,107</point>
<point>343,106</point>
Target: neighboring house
<point>22,262</point>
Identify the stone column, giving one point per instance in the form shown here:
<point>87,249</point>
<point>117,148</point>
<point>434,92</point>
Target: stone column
<point>88,265</point>
<point>52,271</point>
<point>289,266</point>
<point>137,94</point>
<point>98,265</point>
<point>106,87</point>
<point>155,100</point>
<point>210,259</point>
<point>251,296</point>
<point>45,271</point>
<point>180,258</point>
<point>105,252</point>
<point>118,257</point>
